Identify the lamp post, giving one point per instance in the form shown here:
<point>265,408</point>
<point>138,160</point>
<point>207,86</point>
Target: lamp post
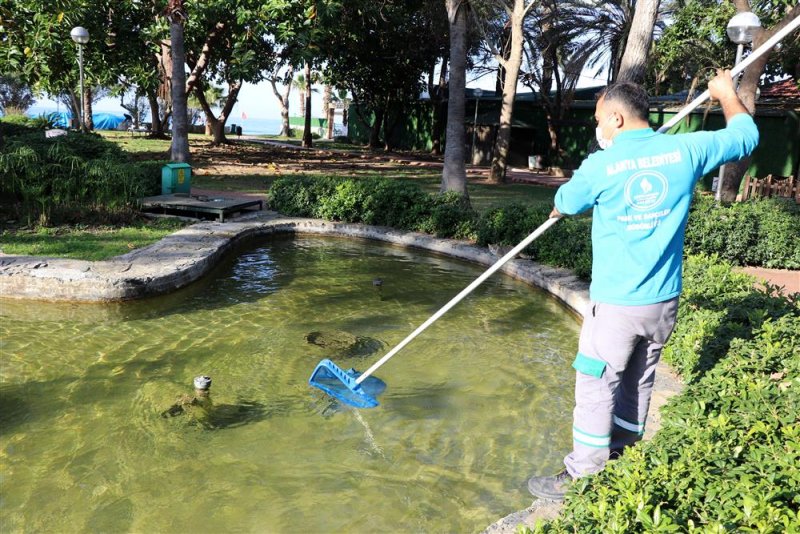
<point>80,35</point>
<point>477,93</point>
<point>741,29</point>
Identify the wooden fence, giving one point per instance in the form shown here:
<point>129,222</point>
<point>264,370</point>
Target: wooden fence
<point>771,186</point>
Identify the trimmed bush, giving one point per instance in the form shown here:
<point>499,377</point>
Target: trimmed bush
<point>567,244</point>
<point>449,217</point>
<point>726,458</point>
<point>375,201</point>
<point>762,232</point>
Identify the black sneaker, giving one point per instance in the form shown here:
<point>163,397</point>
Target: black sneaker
<point>615,454</point>
<point>552,488</point>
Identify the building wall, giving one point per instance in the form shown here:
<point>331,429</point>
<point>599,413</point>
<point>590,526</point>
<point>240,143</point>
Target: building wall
<point>778,152</point>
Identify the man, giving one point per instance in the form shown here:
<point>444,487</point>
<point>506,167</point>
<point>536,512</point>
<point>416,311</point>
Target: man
<point>640,187</point>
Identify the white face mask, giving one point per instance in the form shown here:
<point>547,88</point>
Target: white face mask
<point>602,141</point>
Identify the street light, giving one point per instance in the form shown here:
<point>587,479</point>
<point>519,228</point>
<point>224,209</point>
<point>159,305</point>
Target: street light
<point>477,93</point>
<point>741,30</point>
<point>80,35</point>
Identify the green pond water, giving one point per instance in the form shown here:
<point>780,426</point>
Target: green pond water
<point>475,405</point>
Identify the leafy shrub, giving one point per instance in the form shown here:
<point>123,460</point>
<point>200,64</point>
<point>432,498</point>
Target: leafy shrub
<point>15,119</point>
<point>567,244</point>
<point>450,217</point>
<point>726,456</point>
<point>375,201</point>
<point>762,232</point>
<point>70,173</point>
<point>299,196</point>
<point>396,204</point>
<point>508,225</point>
<point>12,126</point>
<point>347,202</point>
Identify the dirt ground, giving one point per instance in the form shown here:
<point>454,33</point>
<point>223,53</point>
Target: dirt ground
<point>787,279</point>
<point>259,157</point>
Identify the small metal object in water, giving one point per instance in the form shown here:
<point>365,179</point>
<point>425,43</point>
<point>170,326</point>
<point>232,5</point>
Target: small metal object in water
<point>202,382</point>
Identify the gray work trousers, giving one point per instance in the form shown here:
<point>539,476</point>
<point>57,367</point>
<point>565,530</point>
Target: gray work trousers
<point>618,351</point>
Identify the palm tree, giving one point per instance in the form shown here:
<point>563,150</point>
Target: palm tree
<point>299,83</point>
<point>640,36</point>
<point>176,14</point>
<point>341,97</point>
<point>454,172</point>
<point>307,140</point>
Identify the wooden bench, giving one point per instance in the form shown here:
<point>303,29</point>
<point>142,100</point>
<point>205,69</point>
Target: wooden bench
<point>771,186</point>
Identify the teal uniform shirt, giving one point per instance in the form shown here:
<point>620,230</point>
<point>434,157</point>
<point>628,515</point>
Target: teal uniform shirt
<point>640,189</point>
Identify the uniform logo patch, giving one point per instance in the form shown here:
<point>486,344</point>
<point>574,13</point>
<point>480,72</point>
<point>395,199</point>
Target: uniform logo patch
<point>646,190</point>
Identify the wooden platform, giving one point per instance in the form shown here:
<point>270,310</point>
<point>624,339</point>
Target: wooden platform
<point>199,205</point>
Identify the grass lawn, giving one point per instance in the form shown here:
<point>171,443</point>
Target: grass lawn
<point>87,243</point>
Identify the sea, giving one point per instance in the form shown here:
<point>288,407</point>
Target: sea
<point>250,126</point>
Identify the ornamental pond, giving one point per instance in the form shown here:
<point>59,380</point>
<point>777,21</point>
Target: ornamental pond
<point>88,440</point>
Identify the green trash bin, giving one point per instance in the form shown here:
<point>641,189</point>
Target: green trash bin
<point>176,179</point>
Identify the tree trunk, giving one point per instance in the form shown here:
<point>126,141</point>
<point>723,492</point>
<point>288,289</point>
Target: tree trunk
<point>454,173</point>
<point>307,140</point>
<point>75,110</point>
<point>88,120</point>
<point>217,124</point>
<point>438,109</point>
<point>734,172</point>
<point>390,119</point>
<point>329,111</point>
<point>512,66</point>
<point>284,102</point>
<point>375,131</point>
<point>634,61</point>
<point>179,151</point>
<point>164,91</point>
<point>199,66</point>
<point>156,128</point>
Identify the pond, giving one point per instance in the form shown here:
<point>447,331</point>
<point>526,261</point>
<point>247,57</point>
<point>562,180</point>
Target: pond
<point>474,405</point>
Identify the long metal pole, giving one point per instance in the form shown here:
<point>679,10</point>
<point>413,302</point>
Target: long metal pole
<point>80,69</point>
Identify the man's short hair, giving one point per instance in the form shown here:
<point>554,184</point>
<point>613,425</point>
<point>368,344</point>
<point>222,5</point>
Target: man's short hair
<point>629,95</point>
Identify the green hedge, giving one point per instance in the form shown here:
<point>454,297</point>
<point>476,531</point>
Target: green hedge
<point>511,224</point>
<point>73,173</point>
<point>757,232</point>
<point>376,201</point>
<point>726,458</point>
<point>406,206</point>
